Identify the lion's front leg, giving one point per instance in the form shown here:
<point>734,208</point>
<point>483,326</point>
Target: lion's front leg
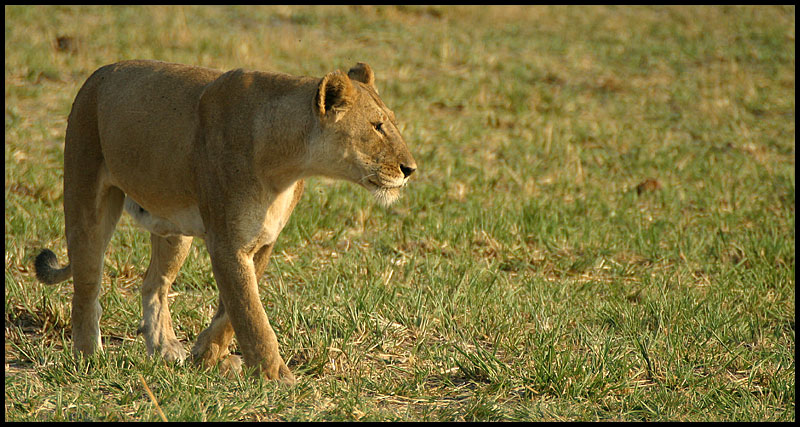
<point>236,280</point>
<point>212,346</point>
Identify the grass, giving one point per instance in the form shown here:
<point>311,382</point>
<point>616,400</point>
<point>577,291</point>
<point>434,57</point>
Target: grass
<point>601,228</point>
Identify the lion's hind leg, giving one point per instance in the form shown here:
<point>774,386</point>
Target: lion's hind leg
<point>89,228</point>
<point>167,256</point>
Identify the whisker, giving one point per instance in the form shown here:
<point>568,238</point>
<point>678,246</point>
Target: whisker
<point>367,177</point>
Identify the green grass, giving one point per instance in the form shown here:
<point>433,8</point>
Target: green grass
<point>522,276</point>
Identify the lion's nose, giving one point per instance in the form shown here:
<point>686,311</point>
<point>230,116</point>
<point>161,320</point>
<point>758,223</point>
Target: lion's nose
<point>407,170</point>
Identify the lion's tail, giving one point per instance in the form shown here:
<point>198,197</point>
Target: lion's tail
<point>47,268</point>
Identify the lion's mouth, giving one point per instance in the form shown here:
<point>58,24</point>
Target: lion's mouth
<point>381,186</point>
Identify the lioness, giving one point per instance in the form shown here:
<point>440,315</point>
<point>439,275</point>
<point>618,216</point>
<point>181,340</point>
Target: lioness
<point>195,152</point>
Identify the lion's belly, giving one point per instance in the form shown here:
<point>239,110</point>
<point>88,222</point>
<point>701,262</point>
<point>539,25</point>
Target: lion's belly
<point>183,222</point>
<point>262,223</point>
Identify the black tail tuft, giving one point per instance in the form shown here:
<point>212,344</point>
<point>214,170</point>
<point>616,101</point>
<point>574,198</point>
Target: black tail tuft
<point>48,270</point>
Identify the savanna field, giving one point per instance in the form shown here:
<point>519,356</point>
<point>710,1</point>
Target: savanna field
<point>601,226</point>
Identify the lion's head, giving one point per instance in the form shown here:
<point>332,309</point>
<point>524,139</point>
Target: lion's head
<point>358,138</point>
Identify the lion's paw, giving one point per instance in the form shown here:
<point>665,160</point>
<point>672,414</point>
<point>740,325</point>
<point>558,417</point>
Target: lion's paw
<point>231,366</point>
<point>173,351</point>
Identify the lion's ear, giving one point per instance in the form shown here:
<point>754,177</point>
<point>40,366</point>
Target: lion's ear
<point>362,72</point>
<point>335,95</point>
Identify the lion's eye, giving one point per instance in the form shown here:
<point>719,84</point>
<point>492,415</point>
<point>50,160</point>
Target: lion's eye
<point>378,127</point>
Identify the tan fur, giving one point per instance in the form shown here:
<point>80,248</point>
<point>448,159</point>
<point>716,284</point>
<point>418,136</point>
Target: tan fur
<point>194,152</point>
